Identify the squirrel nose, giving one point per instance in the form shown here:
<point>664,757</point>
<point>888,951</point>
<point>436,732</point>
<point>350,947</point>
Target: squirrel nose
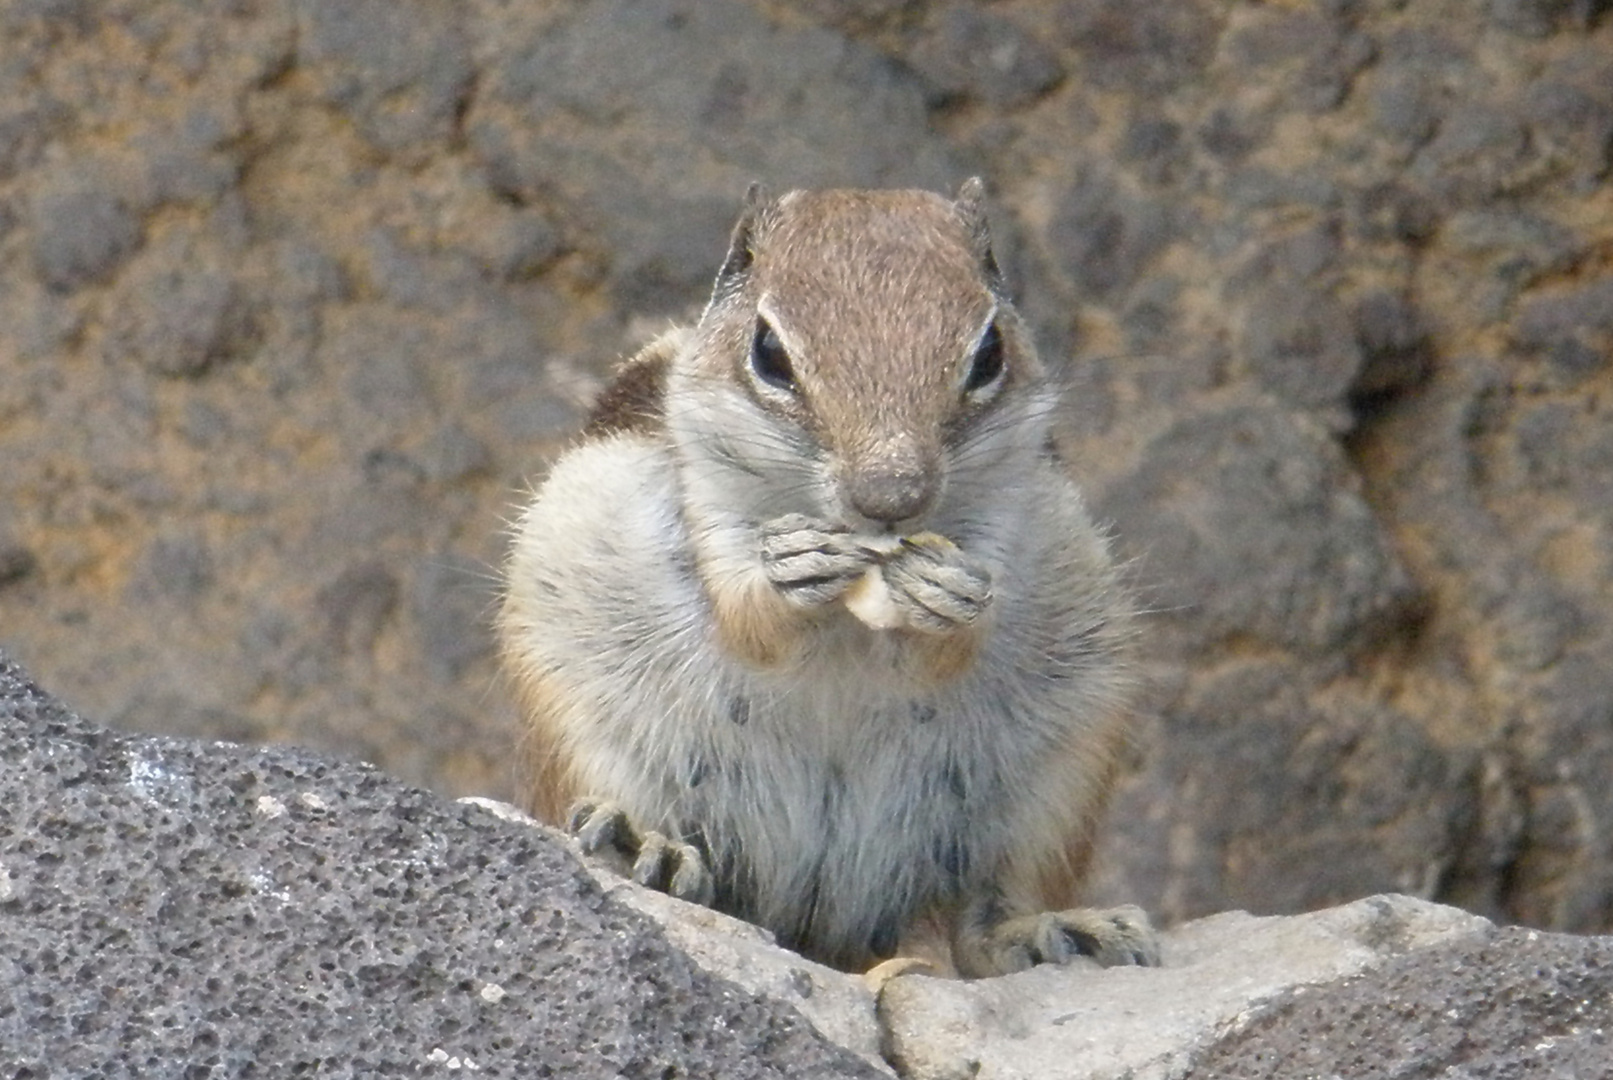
<point>894,481</point>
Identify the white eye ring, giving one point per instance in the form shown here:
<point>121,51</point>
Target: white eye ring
<point>988,364</point>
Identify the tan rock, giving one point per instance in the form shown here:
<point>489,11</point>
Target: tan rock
<point>1147,1023</point>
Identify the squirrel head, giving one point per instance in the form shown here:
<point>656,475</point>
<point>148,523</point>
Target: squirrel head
<point>873,328</point>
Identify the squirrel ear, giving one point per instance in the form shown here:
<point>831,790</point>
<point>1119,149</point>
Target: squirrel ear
<point>741,242</point>
<point>756,196</point>
<point>971,207</point>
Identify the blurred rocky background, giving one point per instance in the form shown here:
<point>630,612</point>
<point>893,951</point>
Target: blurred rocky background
<point>295,296</point>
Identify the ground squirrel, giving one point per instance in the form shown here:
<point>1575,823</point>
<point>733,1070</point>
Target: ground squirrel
<point>811,627</point>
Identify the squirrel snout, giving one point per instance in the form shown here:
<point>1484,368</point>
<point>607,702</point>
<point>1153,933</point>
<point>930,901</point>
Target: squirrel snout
<point>896,481</point>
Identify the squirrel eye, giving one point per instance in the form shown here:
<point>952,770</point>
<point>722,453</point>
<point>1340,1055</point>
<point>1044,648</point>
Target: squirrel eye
<point>768,358</point>
<point>987,364</point>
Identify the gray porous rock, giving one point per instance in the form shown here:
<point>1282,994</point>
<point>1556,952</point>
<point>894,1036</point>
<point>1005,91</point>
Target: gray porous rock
<point>178,908</point>
<point>1513,1005</point>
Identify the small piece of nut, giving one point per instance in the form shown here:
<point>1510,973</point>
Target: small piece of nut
<point>869,599</point>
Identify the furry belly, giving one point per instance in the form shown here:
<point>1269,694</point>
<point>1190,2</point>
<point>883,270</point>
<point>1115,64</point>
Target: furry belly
<point>838,858</point>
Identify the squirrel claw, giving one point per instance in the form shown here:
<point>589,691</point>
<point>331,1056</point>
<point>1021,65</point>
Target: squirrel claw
<point>1113,937</point>
<point>810,562</point>
<point>938,587</point>
<point>657,861</point>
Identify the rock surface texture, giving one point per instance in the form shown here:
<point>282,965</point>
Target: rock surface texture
<point>170,907</point>
<point>294,296</point>
<point>177,908</point>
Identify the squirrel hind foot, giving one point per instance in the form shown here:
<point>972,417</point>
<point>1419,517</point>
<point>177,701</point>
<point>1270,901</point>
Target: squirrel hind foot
<point>652,859</point>
<point>1110,937</point>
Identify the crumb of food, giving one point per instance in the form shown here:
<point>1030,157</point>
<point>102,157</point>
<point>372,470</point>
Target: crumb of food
<point>869,598</point>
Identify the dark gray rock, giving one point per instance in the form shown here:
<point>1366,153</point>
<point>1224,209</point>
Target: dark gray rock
<point>499,352</point>
<point>1311,254</point>
<point>1392,211</point>
<point>1103,236</point>
<point>453,454</point>
<point>1507,479</point>
<point>1232,134</point>
<point>42,323</point>
<point>1148,48</point>
<point>1405,106</point>
<point>385,364</point>
<point>176,569</point>
<point>1536,624</point>
<point>81,237</point>
<point>305,272</point>
<point>1394,342</point>
<point>1517,1005</point>
<point>965,52</point>
<point>1156,145</point>
<point>357,604</point>
<point>523,246</point>
<point>1575,120</point>
<point>24,132</point>
<point>192,162</point>
<point>181,310</point>
<point>204,425</point>
<point>1479,150</point>
<point>1321,54</point>
<point>1248,522</point>
<point>854,16</point>
<point>793,107</point>
<point>1255,188</point>
<point>1545,435</point>
<point>1537,18</point>
<point>174,908</point>
<point>451,601</point>
<point>16,561</point>
<point>1566,854</point>
<point>402,71</point>
<point>1524,244</point>
<point>1427,46</point>
<point>1583,313</point>
<point>1370,803</point>
<point>1300,345</point>
<point>435,282</point>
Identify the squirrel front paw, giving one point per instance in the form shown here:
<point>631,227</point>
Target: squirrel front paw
<point>650,858</point>
<point>935,585</point>
<point>812,563</point>
<point>1114,937</point>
